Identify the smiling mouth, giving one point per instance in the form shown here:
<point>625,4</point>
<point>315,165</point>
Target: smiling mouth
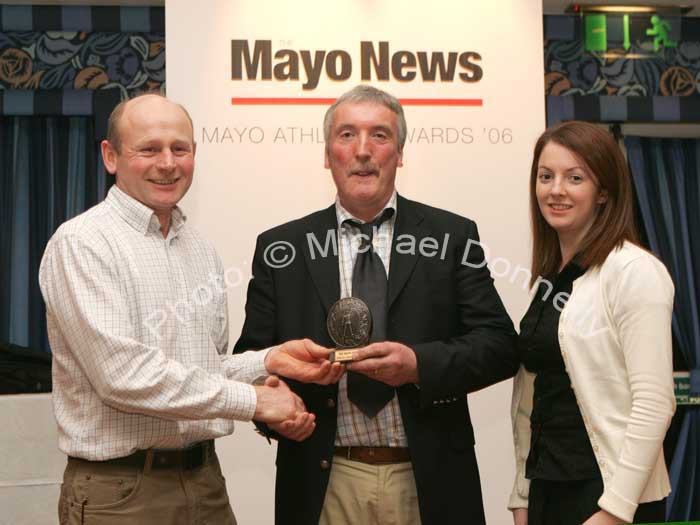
<point>560,207</point>
<point>164,182</point>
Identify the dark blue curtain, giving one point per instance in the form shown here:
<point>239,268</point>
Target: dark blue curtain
<point>666,174</point>
<point>49,172</point>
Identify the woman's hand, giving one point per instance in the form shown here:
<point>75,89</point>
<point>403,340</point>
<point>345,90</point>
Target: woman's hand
<point>519,516</point>
<point>603,518</point>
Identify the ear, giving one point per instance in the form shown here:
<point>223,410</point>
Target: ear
<point>194,149</point>
<point>602,197</point>
<point>109,157</point>
<point>326,162</point>
<point>399,163</point>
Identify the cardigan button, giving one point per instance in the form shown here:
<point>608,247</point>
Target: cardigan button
<point>330,402</point>
<point>325,465</point>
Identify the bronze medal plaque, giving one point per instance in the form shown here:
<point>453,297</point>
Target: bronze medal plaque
<point>349,324</point>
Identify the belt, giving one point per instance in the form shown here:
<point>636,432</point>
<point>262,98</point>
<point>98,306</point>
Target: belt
<point>187,458</point>
<point>374,455</point>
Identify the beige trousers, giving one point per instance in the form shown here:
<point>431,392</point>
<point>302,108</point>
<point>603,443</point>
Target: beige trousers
<point>103,494</point>
<point>370,494</point>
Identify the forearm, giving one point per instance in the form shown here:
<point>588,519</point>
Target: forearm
<point>521,408</point>
<point>247,367</point>
<point>172,391</point>
<point>464,364</point>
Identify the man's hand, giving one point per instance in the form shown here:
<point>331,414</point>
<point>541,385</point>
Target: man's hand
<point>603,518</point>
<point>392,363</point>
<point>276,402</point>
<point>519,516</point>
<point>305,361</point>
<point>297,429</point>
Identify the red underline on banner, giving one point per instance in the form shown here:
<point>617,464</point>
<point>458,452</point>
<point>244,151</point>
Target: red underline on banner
<point>263,101</point>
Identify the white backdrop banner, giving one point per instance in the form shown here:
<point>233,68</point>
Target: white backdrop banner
<point>257,77</point>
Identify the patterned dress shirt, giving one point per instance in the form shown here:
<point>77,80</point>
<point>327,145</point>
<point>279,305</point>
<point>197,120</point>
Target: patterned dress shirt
<point>138,328</point>
<point>354,428</point>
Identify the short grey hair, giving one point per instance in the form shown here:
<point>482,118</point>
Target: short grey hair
<point>365,93</point>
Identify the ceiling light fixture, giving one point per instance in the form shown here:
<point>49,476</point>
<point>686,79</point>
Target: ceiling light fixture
<point>628,9</point>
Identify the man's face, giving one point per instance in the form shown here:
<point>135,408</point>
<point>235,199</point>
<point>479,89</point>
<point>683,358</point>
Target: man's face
<point>156,161</point>
<point>362,154</point>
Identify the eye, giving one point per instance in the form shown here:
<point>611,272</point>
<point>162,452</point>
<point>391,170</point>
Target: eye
<point>544,177</point>
<point>346,134</point>
<point>575,178</point>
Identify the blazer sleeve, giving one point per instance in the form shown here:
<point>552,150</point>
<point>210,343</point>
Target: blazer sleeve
<point>483,350</point>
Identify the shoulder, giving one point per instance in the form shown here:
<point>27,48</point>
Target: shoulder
<point>90,227</point>
<point>629,257</point>
<point>433,215</point>
<point>86,239</point>
<point>633,267</point>
<point>294,228</point>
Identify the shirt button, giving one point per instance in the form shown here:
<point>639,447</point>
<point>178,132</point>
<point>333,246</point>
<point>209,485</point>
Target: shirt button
<point>325,465</point>
<point>330,402</point>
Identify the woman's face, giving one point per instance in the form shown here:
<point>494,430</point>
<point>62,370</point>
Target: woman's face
<point>567,192</point>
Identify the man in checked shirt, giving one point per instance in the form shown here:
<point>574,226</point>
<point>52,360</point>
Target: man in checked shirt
<point>392,442</point>
<point>137,321</point>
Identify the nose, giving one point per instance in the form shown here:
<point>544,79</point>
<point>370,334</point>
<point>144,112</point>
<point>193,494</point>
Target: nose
<point>166,160</point>
<point>558,186</point>
<point>364,151</point>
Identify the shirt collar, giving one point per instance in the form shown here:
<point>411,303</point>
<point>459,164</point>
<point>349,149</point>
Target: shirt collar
<point>573,270</point>
<point>139,216</point>
<point>342,214</point>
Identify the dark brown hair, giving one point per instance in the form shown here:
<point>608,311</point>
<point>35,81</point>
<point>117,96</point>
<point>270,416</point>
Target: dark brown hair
<point>614,224</point>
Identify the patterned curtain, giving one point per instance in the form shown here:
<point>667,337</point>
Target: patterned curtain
<point>666,175</point>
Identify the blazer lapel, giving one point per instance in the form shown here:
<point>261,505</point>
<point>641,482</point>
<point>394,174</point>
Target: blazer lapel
<point>408,223</point>
<point>322,265</point>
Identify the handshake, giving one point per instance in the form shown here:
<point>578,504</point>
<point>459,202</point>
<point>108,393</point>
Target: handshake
<point>303,360</point>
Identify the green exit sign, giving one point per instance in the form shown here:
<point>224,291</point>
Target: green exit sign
<point>596,33</point>
<point>653,31</point>
<point>681,382</point>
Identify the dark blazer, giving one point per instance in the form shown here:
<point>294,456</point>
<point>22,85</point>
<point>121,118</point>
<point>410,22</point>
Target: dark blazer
<point>447,311</point>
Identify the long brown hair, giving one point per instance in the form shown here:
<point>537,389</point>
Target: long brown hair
<point>614,223</point>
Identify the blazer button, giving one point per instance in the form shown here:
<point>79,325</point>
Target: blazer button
<point>325,465</point>
<point>330,402</point>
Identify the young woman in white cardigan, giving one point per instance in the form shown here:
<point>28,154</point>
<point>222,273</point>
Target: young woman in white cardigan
<point>594,396</point>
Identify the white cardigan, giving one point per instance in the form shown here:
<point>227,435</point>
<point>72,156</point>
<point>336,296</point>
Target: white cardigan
<point>615,338</point>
